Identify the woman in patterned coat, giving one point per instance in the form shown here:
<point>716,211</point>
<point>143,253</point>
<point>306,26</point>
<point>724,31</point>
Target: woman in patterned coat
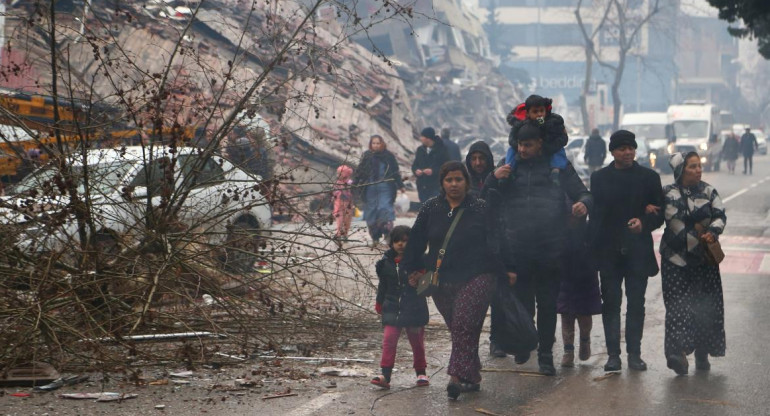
<point>692,288</point>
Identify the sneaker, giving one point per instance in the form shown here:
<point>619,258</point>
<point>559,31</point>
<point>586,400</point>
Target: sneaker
<point>495,351</point>
<point>585,349</point>
<point>568,359</point>
<point>545,363</point>
<point>613,363</point>
<point>635,362</point>
<point>422,380</point>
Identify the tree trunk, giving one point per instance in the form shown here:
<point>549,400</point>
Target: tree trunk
<point>587,88</point>
<point>616,102</point>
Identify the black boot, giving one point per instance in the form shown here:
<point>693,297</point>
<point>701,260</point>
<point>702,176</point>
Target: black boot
<point>613,363</point>
<point>702,361</point>
<point>635,362</point>
<point>521,357</point>
<point>678,363</point>
<point>495,351</point>
<point>545,362</point>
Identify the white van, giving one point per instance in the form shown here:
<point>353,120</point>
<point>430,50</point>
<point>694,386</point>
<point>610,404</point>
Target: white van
<point>697,124</point>
<point>656,130</point>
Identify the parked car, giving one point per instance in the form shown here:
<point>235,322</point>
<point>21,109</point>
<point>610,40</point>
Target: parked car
<point>761,141</point>
<point>224,202</point>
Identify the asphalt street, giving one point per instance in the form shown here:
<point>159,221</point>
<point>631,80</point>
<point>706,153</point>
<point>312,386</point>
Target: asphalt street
<point>736,385</point>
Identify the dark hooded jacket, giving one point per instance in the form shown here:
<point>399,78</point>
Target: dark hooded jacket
<point>596,151</point>
<point>477,181</point>
<point>532,211</point>
<point>428,186</point>
<point>554,132</point>
<point>401,306</point>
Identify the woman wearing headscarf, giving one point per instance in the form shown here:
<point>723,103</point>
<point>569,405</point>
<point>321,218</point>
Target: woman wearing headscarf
<point>380,180</point>
<point>692,287</point>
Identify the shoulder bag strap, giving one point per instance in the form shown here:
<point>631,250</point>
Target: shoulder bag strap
<point>452,227</point>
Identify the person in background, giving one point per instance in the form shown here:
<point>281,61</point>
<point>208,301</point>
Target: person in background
<point>453,150</point>
<point>401,309</point>
<point>579,294</point>
<point>596,151</point>
<point>692,288</point>
<point>427,162</point>
<point>343,202</point>
<point>621,243</point>
<point>468,272</point>
<point>748,145</point>
<point>730,150</point>
<point>480,164</point>
<point>378,181</point>
<point>531,213</point>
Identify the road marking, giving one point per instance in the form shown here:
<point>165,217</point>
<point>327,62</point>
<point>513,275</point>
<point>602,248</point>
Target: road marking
<point>764,267</point>
<point>744,190</point>
<point>314,405</point>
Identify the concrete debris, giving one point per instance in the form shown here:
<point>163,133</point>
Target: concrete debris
<point>99,397</point>
<point>63,381</point>
<point>182,374</point>
<point>338,372</point>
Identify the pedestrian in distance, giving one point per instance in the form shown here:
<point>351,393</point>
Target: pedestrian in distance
<point>595,151</point>
<point>579,294</point>
<point>468,271</point>
<point>401,310</point>
<point>480,163</point>
<point>531,213</point>
<point>621,243</point>
<point>453,150</point>
<point>692,286</point>
<point>378,181</point>
<point>427,162</point>
<point>748,146</point>
<point>730,150</point>
<point>537,110</point>
<point>343,202</point>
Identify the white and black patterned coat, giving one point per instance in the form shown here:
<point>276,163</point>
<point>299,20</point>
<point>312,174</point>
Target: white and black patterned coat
<point>680,244</point>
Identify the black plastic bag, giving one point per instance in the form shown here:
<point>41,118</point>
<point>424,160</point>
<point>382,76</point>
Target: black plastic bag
<point>517,332</point>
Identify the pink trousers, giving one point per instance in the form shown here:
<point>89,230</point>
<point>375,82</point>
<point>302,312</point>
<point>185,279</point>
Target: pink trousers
<point>416,337</point>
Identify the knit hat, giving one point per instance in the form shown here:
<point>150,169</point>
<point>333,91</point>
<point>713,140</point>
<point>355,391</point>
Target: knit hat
<point>677,163</point>
<point>529,131</point>
<point>622,138</point>
<point>428,133</point>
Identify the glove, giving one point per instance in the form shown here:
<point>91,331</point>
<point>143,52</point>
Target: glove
<point>378,308</point>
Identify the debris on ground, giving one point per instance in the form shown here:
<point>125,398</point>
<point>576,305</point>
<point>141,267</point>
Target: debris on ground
<point>29,374</point>
<point>161,382</point>
<point>278,396</point>
<point>486,412</point>
<point>20,394</point>
<point>99,397</point>
<point>338,372</point>
<point>182,374</point>
<point>606,376</point>
<point>63,381</point>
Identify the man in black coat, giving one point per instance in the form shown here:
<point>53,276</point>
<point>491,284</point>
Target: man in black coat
<point>620,230</point>
<point>748,145</point>
<point>453,150</point>
<point>596,151</point>
<point>533,216</point>
<point>427,163</point>
<point>480,164</point>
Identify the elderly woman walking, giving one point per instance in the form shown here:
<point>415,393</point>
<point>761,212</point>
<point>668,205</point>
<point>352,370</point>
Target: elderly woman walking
<point>380,180</point>
<point>692,286</point>
<point>468,272</point>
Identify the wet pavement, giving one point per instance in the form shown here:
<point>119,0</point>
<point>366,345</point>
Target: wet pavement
<point>736,384</point>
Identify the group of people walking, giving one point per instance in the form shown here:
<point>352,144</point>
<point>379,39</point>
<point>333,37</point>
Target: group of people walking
<point>733,147</point>
<point>530,225</point>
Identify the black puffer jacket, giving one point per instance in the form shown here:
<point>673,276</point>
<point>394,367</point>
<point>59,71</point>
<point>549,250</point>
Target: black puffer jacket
<point>477,181</point>
<point>532,211</point>
<point>472,250</point>
<point>554,133</point>
<point>401,306</point>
